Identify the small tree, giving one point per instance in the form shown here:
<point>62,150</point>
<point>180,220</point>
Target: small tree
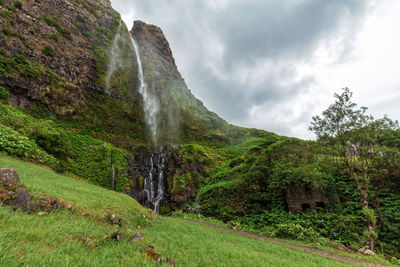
<point>355,138</point>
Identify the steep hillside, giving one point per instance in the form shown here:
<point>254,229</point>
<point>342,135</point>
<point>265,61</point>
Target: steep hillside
<point>74,61</point>
<point>183,118</point>
<point>82,236</point>
<point>54,59</point>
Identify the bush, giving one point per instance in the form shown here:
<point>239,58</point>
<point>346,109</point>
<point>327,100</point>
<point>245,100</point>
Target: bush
<point>4,95</point>
<point>16,144</point>
<point>298,232</point>
<point>79,154</point>
<point>48,51</point>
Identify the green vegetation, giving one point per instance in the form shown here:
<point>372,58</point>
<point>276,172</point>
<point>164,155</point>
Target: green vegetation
<point>10,32</point>
<point>249,182</point>
<point>92,8</point>
<point>5,14</point>
<point>65,32</point>
<point>60,236</point>
<point>76,153</point>
<point>4,95</point>
<point>355,138</point>
<point>100,57</point>
<point>11,8</point>
<point>48,51</point>
<point>15,144</point>
<point>19,65</point>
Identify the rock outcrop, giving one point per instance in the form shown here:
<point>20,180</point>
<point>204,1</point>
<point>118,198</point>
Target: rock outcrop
<point>23,200</point>
<point>12,193</point>
<point>8,176</point>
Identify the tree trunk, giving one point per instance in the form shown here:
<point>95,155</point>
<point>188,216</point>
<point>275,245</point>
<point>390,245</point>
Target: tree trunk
<point>371,227</point>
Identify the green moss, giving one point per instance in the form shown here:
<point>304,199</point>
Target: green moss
<point>92,8</point>
<point>65,32</point>
<point>11,8</point>
<point>48,51</point>
<point>19,65</point>
<point>5,14</point>
<point>56,36</point>
<point>101,59</point>
<point>4,95</point>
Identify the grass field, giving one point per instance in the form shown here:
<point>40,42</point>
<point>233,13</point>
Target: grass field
<point>59,238</point>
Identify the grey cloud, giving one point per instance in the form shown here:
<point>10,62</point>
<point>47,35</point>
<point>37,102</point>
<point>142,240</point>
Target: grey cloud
<point>211,46</point>
<point>275,29</point>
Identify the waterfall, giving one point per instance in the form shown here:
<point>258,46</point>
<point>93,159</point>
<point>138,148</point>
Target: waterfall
<point>153,167</point>
<point>115,59</point>
<point>151,103</point>
<point>156,168</point>
<point>156,161</point>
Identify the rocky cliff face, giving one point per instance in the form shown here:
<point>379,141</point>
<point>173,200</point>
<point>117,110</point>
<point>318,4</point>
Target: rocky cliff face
<point>73,61</point>
<point>54,58</point>
<point>183,117</point>
<point>57,38</point>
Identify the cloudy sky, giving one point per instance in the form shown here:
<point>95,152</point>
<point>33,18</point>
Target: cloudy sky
<point>273,64</point>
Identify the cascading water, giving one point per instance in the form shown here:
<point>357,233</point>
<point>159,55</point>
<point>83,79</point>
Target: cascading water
<point>152,193</point>
<point>156,170</point>
<point>115,60</point>
<point>151,103</point>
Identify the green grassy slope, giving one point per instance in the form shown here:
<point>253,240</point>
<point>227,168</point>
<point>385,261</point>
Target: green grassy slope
<point>57,238</point>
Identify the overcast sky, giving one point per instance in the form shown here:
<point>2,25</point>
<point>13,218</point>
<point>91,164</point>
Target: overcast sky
<point>273,64</point>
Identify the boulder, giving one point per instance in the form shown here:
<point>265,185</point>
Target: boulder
<point>138,236</point>
<point>117,235</point>
<point>339,246</point>
<point>23,200</point>
<point>366,250</point>
<point>369,252</point>
<point>9,176</point>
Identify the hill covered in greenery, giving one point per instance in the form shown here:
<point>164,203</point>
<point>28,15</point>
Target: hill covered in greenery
<point>70,99</point>
<point>81,234</point>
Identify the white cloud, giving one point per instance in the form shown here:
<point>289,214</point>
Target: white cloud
<point>273,64</point>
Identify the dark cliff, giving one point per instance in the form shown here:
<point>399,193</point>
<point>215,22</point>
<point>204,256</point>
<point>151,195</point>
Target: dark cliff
<point>180,109</point>
<point>54,58</point>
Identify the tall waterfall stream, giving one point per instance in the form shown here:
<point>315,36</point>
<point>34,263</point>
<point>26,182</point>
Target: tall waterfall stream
<point>157,161</point>
<point>151,103</point>
<point>154,167</point>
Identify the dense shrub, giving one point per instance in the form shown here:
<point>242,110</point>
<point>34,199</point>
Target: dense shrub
<point>78,154</point>
<point>4,95</point>
<point>16,144</point>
